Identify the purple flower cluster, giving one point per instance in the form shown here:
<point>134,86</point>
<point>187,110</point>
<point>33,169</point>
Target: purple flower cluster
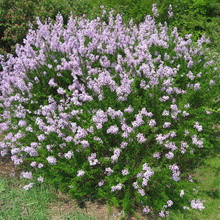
<point>197,204</point>
<point>92,159</point>
<point>175,172</point>
<point>117,187</point>
<point>51,160</point>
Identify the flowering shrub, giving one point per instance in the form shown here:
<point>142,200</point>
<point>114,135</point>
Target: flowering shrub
<point>109,111</point>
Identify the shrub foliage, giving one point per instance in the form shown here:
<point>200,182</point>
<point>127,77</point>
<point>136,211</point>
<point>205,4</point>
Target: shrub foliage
<point>110,111</point>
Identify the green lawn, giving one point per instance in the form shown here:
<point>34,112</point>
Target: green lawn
<point>35,204</point>
<point>208,177</point>
<point>16,204</point>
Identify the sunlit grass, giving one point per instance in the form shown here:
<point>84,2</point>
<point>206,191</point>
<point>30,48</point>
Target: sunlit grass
<point>208,177</point>
<point>16,203</point>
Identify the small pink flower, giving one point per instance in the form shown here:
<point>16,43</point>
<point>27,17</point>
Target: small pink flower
<point>152,123</point>
<point>125,172</point>
<point>80,173</point>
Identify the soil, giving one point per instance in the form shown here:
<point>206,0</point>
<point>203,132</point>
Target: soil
<point>97,210</point>
<point>7,167</point>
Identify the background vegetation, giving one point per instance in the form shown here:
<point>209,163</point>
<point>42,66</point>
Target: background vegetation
<point>190,16</point>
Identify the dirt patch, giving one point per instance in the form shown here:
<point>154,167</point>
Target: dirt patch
<point>66,205</point>
<point>7,168</point>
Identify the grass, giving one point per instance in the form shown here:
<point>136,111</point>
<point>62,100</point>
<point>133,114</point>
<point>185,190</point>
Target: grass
<point>35,204</point>
<point>208,177</point>
<point>16,204</point>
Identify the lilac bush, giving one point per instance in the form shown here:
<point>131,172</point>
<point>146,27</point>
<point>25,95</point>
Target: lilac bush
<point>110,111</point>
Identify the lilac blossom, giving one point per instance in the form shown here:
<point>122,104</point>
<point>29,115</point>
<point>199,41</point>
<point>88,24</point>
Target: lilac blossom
<point>118,187</point>
<point>141,192</point>
<point>61,91</point>
<point>100,118</point>
<point>166,124</point>
<point>68,155</point>
<point>101,183</point>
<point>140,138</point>
<point>164,214</point>
<point>108,171</point>
<point>169,155</point>
<point>212,82</point>
<point>29,186</point>
<point>26,175</point>
<point>40,165</point>
<point>197,86</point>
<point>112,130</point>
<point>33,164</point>
<point>175,172</point>
<point>98,139</point>
<point>185,114</point>
<point>116,155</point>
<point>152,123</point>
<point>170,12</point>
<point>15,151</point>
<point>135,185</point>
<point>196,141</point>
<point>124,172</point>
<point>52,83</point>
<point>198,126</point>
<point>40,179</point>
<point>22,123</point>
<point>41,137</point>
<point>51,160</point>
<point>197,204</point>
<point>184,146</point>
<point>155,10</point>
<point>156,155</point>
<point>182,193</point>
<point>169,203</point>
<point>85,143</point>
<point>92,159</point>
<point>146,209</point>
<point>165,113</point>
<point>139,121</point>
<point>80,173</point>
<point>124,144</point>
<point>129,109</point>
